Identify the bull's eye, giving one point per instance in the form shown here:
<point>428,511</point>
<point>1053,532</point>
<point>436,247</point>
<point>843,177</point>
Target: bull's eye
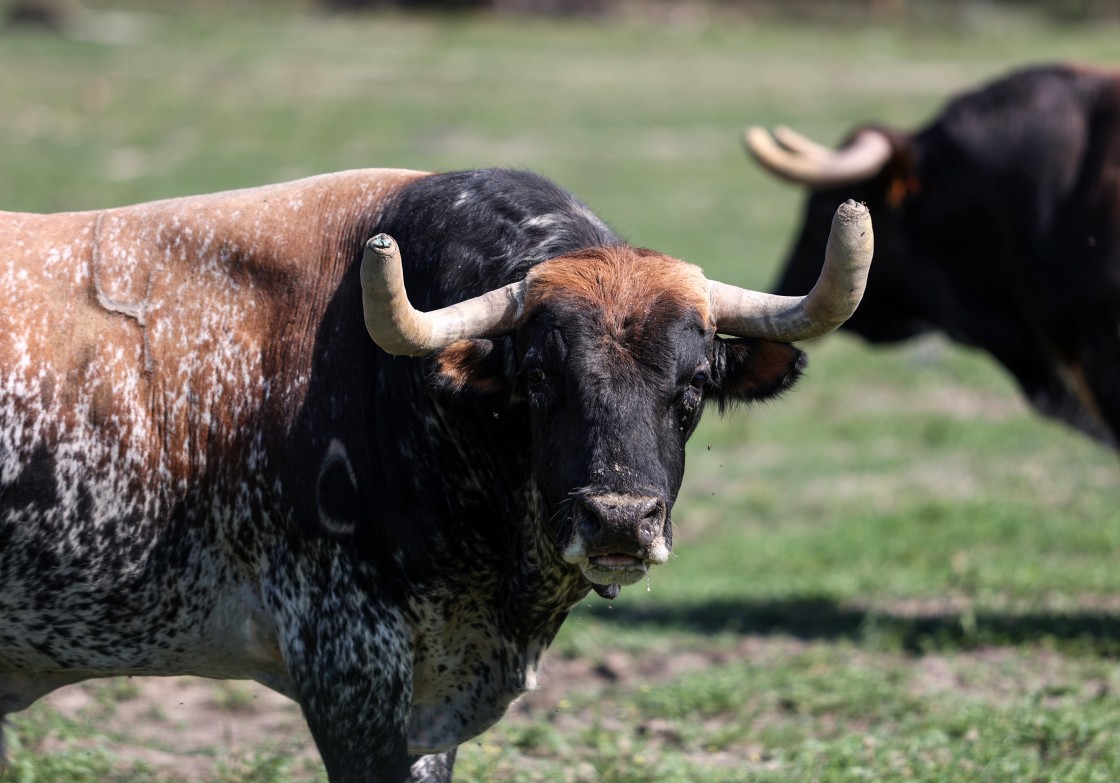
<point>690,396</point>
<point>535,376</point>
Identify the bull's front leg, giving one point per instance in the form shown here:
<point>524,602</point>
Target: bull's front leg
<point>349,657</point>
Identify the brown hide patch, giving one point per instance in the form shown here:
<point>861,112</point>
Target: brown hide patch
<point>156,337</point>
<point>631,289</point>
<point>1102,71</point>
<point>901,189</point>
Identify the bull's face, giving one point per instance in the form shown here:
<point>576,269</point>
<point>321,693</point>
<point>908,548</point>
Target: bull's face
<point>615,358</point>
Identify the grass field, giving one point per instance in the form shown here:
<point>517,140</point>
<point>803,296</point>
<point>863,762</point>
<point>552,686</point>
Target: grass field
<point>897,572</point>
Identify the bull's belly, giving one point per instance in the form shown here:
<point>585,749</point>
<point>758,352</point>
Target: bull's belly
<point>38,655</point>
<point>230,643</point>
<point>227,644</point>
<point>73,606</point>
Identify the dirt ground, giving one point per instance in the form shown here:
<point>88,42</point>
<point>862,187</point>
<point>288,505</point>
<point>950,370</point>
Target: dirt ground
<point>193,728</point>
<point>188,726</point>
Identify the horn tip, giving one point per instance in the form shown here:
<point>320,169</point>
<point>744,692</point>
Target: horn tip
<point>382,244</point>
<point>851,211</point>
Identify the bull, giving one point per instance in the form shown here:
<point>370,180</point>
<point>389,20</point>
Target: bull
<point>998,224</point>
<point>207,467</point>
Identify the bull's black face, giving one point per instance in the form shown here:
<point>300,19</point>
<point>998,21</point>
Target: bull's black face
<point>610,414</point>
<point>614,362</point>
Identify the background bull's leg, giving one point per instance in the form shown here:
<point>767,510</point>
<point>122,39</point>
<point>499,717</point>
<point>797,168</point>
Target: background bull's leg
<point>1100,361</point>
<point>436,768</point>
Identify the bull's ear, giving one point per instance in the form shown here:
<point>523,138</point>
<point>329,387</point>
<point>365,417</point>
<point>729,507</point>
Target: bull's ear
<point>748,369</point>
<point>471,369</point>
<point>900,178</point>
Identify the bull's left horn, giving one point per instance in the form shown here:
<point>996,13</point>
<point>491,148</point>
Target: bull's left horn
<point>401,330</point>
<point>847,260</point>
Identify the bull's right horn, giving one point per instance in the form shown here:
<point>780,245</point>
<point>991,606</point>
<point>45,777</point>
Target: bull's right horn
<point>401,330</point>
<point>837,293</point>
<point>797,159</point>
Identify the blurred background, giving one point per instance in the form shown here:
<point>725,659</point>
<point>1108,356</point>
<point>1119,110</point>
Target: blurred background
<point>896,572</point>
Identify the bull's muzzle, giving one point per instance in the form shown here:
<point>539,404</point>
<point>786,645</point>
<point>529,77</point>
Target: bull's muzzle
<point>616,537</point>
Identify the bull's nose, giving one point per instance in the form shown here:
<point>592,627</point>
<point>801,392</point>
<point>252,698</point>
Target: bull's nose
<point>616,522</point>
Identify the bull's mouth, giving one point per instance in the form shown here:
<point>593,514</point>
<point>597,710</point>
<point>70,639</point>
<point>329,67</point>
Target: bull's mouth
<point>615,569</point>
<point>616,560</point>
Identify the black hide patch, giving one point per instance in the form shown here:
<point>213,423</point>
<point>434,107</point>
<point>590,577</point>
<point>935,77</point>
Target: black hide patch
<point>37,483</point>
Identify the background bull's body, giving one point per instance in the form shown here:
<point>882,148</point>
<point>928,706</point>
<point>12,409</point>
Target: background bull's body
<point>999,224</point>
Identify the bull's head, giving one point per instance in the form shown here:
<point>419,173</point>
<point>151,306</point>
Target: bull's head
<point>951,224</point>
<point>615,350</point>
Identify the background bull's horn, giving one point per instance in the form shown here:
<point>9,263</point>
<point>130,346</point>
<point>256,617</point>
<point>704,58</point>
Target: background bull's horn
<point>806,147</point>
<point>847,259</point>
<point>403,331</point>
<point>795,158</point>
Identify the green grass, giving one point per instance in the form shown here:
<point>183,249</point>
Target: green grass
<point>897,572</point>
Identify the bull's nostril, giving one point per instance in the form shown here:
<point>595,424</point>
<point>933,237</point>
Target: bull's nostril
<point>590,526</point>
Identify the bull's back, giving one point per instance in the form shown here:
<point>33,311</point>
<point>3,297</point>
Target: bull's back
<point>143,338</point>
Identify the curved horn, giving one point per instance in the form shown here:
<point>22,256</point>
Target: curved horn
<point>847,260</point>
<point>802,145</point>
<point>795,158</point>
<point>403,331</point>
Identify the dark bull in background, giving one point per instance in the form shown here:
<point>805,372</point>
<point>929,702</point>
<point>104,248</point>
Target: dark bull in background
<point>997,224</point>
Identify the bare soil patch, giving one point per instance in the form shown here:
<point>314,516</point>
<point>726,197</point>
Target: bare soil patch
<point>187,727</point>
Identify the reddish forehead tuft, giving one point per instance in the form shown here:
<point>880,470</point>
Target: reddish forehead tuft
<point>626,284</point>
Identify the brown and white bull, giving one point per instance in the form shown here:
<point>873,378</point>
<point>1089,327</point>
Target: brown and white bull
<point>207,467</point>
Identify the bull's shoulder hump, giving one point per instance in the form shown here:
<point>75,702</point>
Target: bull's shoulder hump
<point>326,200</point>
<point>335,185</point>
<point>275,224</point>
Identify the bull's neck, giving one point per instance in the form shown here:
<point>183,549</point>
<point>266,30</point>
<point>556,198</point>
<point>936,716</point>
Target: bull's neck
<point>544,588</point>
<point>533,587</point>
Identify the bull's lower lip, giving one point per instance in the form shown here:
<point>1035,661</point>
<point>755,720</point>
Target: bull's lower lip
<point>616,561</point>
<point>615,569</point>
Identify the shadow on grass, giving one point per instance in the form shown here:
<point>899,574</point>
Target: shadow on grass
<point>1089,632</point>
